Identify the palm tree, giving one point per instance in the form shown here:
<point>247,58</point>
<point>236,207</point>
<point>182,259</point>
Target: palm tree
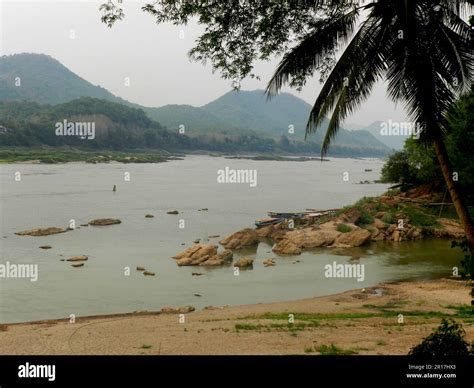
<point>421,48</point>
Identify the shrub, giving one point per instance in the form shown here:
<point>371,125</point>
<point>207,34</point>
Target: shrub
<point>446,340</point>
<point>365,219</point>
<point>388,218</point>
<point>467,264</point>
<point>343,228</point>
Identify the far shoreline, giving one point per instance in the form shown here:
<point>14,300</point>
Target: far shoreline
<point>46,156</point>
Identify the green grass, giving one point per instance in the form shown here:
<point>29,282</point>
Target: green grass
<point>419,218</point>
<point>291,327</point>
<point>379,207</point>
<point>248,326</point>
<point>343,228</point>
<point>313,317</point>
<point>147,346</point>
<point>333,350</point>
<point>383,311</point>
<point>463,310</point>
<point>364,201</point>
<point>309,349</point>
<point>389,305</point>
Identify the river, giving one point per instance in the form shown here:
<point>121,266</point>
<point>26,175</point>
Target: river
<point>52,195</point>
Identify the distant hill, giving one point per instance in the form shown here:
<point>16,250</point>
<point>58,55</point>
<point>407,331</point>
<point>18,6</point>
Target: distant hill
<point>393,142</point>
<point>41,79</point>
<point>251,111</point>
<point>118,127</point>
<point>193,118</point>
<point>115,125</point>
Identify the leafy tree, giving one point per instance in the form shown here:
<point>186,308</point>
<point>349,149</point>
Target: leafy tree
<point>422,48</point>
<point>397,169</point>
<point>417,162</point>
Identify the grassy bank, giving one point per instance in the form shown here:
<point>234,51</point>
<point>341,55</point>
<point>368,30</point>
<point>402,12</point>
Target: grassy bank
<point>353,322</point>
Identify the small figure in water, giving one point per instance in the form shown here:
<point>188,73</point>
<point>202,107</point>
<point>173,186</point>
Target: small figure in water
<point>114,189</point>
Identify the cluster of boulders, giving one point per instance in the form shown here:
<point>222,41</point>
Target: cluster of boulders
<point>207,255</point>
<point>293,242</point>
<point>203,255</point>
<point>344,231</point>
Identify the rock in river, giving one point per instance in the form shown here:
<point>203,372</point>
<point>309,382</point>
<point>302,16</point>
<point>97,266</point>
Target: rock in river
<point>269,262</point>
<point>286,247</point>
<point>178,310</point>
<point>240,239</point>
<point>355,238</point>
<point>78,258</point>
<point>105,221</point>
<point>244,262</point>
<point>45,246</point>
<point>219,259</point>
<point>41,231</point>
<point>323,235</point>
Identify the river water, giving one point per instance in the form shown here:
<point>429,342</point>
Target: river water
<point>52,195</point>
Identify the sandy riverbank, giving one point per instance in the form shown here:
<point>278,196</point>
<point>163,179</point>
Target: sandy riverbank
<point>358,321</point>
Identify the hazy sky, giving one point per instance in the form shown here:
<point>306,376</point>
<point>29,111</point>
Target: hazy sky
<point>153,56</point>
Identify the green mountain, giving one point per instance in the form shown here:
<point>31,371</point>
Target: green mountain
<point>194,119</point>
<point>252,111</point>
<point>40,79</point>
<point>104,125</point>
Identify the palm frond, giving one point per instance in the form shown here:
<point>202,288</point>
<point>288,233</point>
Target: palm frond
<point>353,77</point>
<point>310,52</point>
<point>367,68</point>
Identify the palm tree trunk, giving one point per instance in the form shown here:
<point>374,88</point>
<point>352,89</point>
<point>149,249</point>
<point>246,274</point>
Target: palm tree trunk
<point>453,188</point>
